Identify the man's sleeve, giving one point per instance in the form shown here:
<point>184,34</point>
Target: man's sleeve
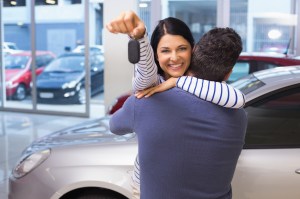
<point>122,121</point>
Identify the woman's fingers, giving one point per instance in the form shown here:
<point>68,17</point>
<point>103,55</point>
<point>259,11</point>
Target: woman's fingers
<point>127,23</point>
<point>170,83</point>
<point>149,91</point>
<point>143,93</point>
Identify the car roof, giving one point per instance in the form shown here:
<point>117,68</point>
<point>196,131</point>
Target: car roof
<point>79,54</point>
<point>279,74</point>
<point>276,58</point>
<point>71,54</point>
<point>272,79</point>
<point>28,53</point>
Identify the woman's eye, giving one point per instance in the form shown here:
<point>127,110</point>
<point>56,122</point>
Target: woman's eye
<point>164,51</point>
<point>182,49</point>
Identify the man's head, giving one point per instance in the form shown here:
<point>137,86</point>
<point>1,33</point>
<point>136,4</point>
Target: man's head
<point>215,54</point>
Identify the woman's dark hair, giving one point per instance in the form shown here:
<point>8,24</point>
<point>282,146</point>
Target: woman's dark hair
<point>172,26</point>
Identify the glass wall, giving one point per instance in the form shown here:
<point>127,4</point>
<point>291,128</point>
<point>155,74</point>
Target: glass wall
<point>60,86</point>
<point>54,29</point>
<point>200,15</point>
<point>265,28</point>
<point>46,65</point>
<point>17,57</point>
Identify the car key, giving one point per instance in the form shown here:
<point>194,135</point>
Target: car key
<point>133,51</point>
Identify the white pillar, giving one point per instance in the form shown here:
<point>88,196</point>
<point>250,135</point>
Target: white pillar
<point>156,13</point>
<point>118,70</point>
<point>223,13</point>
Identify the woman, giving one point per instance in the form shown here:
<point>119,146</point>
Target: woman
<point>172,43</point>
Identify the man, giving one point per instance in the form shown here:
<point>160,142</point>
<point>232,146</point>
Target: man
<point>188,148</point>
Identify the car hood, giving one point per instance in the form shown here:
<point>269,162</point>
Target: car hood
<point>94,131</point>
<point>57,79</point>
<point>10,73</point>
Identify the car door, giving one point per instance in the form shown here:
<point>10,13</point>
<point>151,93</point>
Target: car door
<point>269,165</point>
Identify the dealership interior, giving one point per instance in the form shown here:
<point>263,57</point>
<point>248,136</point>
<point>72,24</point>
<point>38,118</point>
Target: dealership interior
<point>33,104</point>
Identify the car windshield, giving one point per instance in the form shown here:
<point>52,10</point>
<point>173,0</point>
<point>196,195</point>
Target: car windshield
<point>248,84</point>
<point>12,46</point>
<point>66,64</point>
<point>15,62</point>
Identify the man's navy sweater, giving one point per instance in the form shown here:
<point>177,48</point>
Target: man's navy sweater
<point>188,148</point>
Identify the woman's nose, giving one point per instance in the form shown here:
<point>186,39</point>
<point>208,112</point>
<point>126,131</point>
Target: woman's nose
<point>174,56</point>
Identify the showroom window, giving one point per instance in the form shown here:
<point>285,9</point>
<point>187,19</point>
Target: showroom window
<point>264,28</point>
<point>273,122</point>
<point>200,16</point>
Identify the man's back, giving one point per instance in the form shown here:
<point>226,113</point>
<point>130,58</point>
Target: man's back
<point>180,138</point>
<point>188,148</point>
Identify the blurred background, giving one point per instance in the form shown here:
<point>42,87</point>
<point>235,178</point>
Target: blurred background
<point>57,57</point>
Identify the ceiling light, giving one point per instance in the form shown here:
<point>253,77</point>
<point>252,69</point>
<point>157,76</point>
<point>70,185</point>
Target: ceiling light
<point>14,3</point>
<point>274,34</point>
<point>143,5</point>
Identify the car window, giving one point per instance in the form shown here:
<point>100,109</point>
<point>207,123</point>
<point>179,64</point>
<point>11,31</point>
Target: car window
<point>15,62</point>
<point>97,61</point>
<point>248,84</point>
<point>66,64</point>
<point>273,122</point>
<point>39,61</point>
<point>240,69</point>
<point>43,60</point>
<point>47,59</point>
<point>265,65</point>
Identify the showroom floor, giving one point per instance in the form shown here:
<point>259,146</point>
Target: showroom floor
<point>17,130</point>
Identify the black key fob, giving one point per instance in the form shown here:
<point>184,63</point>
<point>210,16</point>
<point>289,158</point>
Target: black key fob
<point>133,51</point>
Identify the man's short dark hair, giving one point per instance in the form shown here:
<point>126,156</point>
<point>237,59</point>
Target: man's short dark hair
<point>215,54</point>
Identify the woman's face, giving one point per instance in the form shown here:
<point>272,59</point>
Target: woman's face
<point>174,55</point>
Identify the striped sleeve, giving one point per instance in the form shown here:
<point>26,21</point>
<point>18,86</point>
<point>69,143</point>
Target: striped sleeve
<point>145,71</point>
<point>136,172</point>
<point>216,92</point>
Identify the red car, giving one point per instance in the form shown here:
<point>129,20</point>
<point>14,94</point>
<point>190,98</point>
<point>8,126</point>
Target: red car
<point>247,63</point>
<point>18,72</point>
<point>251,62</point>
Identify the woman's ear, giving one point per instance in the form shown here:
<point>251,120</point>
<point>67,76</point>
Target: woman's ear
<point>227,75</point>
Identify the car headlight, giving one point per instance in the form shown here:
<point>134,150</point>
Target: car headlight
<point>71,84</point>
<point>28,163</point>
<point>9,84</point>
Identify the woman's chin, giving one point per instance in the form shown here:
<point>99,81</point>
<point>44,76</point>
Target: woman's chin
<point>176,73</point>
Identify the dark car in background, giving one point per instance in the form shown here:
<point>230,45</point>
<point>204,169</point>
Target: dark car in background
<point>18,69</point>
<point>63,80</point>
<point>246,64</point>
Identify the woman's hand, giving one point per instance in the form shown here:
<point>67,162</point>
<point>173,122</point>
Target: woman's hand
<point>170,83</point>
<point>127,23</point>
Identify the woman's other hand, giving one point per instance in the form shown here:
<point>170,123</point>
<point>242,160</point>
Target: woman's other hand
<point>170,83</point>
<point>127,23</point>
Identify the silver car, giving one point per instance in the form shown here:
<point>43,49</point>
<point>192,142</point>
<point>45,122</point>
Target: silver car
<point>87,161</point>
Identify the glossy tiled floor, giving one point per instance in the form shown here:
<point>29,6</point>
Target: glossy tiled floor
<point>17,130</point>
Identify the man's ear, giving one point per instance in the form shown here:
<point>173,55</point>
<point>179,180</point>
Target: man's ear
<point>227,75</point>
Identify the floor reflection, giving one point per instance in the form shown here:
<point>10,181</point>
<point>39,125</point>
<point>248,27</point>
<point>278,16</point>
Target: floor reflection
<point>19,129</point>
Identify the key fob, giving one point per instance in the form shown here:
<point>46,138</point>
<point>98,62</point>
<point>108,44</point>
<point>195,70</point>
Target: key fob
<point>133,51</point>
